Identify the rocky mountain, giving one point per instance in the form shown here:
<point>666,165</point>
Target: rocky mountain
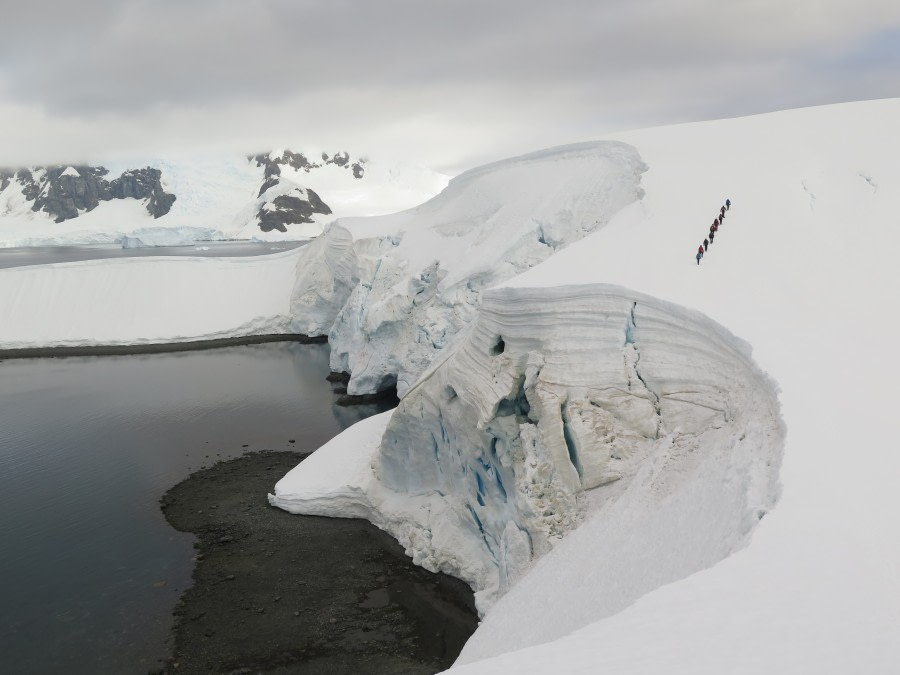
<point>279,195</point>
<point>286,203</point>
<point>297,160</point>
<point>64,192</point>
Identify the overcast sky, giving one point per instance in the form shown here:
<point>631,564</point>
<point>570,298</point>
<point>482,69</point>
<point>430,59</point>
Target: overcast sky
<point>450,84</point>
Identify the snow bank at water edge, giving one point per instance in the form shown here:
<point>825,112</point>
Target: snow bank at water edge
<point>169,236</point>
<point>562,404</point>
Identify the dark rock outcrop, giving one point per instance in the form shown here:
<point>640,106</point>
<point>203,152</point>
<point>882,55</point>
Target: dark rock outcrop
<point>301,162</point>
<point>270,182</point>
<point>298,205</point>
<point>295,207</point>
<point>144,184</point>
<point>65,191</point>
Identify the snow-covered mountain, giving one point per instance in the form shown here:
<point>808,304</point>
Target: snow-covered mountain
<point>166,200</point>
<point>585,435</point>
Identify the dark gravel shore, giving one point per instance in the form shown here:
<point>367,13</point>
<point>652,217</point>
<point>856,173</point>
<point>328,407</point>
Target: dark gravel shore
<point>156,348</point>
<point>278,593</point>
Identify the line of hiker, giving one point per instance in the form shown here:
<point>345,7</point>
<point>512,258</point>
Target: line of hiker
<point>713,229</point>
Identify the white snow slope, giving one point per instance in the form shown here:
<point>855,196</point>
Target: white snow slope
<point>662,576</point>
<point>217,198</point>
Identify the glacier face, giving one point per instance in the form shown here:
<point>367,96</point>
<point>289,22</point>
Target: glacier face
<point>421,285</point>
<point>558,404</point>
<point>325,276</point>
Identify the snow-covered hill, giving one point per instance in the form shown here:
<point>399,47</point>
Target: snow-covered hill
<point>804,269</point>
<point>279,195</point>
<point>584,434</point>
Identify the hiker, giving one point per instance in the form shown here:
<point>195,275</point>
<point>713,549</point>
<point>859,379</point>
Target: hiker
<point>705,244</point>
<point>728,205</point>
<point>699,254</point>
<point>715,228</point>
<point>722,213</point>
<point>715,223</point>
<point>712,235</point>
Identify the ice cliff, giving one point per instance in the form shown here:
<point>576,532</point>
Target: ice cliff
<point>421,272</point>
<point>559,404</point>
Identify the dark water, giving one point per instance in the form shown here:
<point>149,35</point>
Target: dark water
<point>41,255</point>
<point>90,570</point>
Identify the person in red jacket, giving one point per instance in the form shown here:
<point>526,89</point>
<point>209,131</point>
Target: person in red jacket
<point>699,253</point>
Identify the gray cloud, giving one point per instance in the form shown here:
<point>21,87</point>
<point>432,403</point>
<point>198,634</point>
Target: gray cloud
<point>451,83</point>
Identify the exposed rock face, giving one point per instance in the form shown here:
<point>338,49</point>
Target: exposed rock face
<point>300,162</point>
<point>143,184</point>
<point>283,201</point>
<point>64,192</point>
<point>30,188</point>
<point>297,205</point>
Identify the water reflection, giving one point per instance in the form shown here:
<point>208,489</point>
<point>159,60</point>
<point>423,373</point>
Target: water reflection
<point>90,570</point>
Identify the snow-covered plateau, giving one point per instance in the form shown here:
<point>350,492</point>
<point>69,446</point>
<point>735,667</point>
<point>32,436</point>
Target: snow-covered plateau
<point>584,434</point>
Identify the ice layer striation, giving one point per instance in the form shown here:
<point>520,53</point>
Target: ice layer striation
<point>563,405</point>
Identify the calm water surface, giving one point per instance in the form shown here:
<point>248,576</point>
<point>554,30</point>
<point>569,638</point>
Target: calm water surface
<point>41,255</point>
<point>90,570</point>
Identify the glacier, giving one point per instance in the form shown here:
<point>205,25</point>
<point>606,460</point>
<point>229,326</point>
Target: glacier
<point>583,434</point>
<point>561,405</point>
<point>421,272</point>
